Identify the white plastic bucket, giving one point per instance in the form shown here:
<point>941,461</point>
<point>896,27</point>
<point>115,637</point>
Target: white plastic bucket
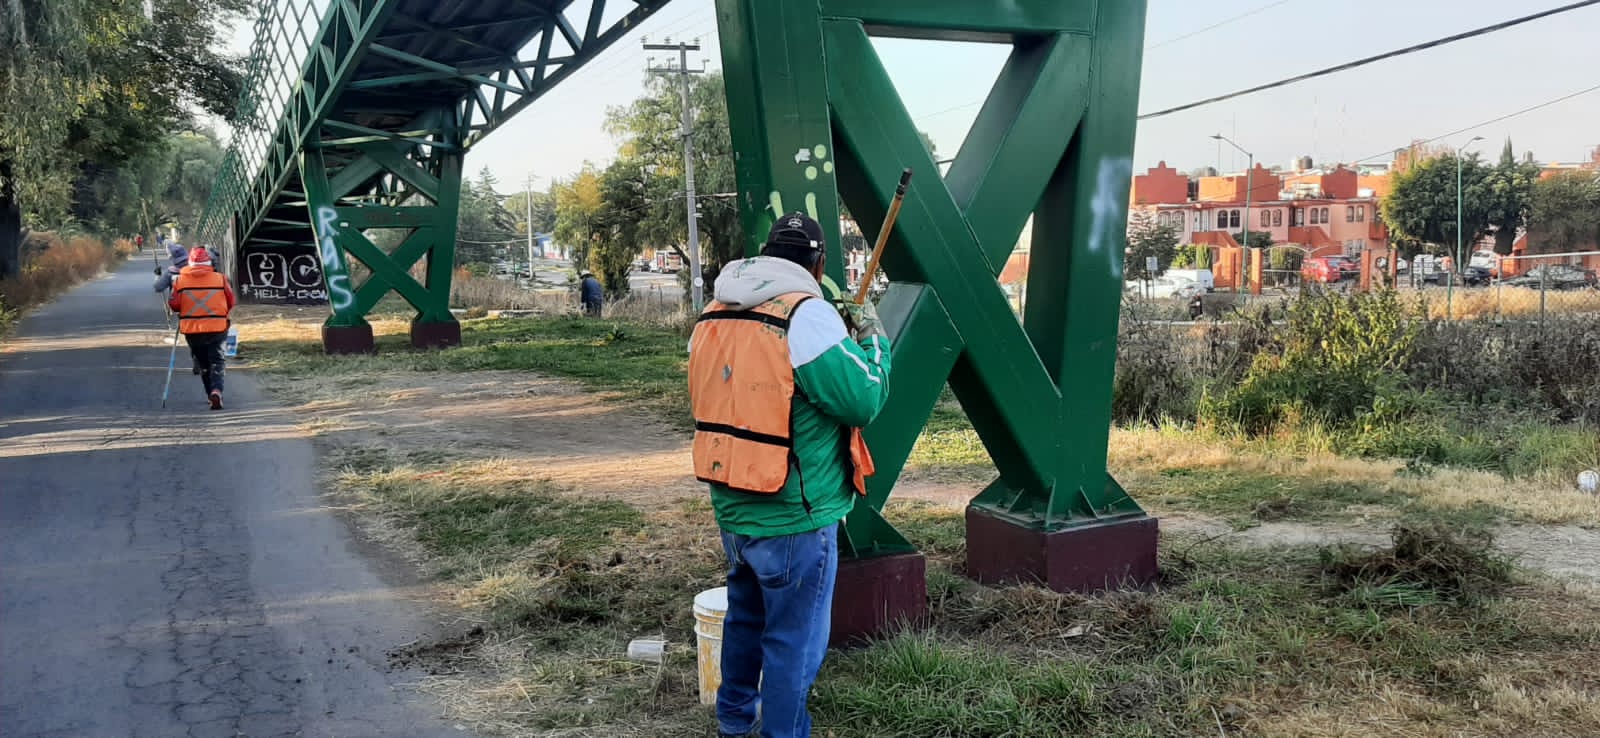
<point>709,608</point>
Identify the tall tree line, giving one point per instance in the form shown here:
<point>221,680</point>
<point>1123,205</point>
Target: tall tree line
<point>88,86</point>
<point>1501,199</point>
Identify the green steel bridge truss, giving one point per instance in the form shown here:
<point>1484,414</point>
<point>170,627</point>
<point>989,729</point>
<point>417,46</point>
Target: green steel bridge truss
<point>359,113</point>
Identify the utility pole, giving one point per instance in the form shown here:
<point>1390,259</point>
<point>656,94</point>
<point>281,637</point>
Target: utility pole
<point>697,284</point>
<point>528,198</point>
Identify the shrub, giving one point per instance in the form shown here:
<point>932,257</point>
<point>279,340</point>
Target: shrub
<point>1332,358</point>
<point>1520,365</point>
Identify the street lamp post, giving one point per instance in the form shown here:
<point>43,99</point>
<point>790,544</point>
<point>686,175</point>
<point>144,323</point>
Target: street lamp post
<point>1450,286</point>
<point>1249,189</point>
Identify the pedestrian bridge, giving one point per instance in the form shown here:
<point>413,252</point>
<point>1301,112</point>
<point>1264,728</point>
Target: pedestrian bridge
<point>356,117</point>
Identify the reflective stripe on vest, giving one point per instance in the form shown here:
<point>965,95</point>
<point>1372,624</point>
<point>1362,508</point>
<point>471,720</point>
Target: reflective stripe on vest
<point>741,387</point>
<point>202,303</point>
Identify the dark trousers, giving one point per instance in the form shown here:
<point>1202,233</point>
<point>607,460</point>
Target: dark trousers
<point>206,348</point>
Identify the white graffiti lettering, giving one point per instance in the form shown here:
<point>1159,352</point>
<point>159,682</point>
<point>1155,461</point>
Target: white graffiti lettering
<point>265,270</point>
<point>303,271</point>
<point>334,272</point>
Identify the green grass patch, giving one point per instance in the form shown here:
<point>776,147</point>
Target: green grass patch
<point>1242,638</point>
<point>1245,497</point>
<point>473,525</point>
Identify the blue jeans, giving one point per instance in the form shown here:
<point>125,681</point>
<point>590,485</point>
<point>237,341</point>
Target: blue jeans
<point>775,633</point>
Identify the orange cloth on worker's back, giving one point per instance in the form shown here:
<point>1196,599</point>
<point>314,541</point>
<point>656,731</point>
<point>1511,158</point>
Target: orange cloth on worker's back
<point>202,298</point>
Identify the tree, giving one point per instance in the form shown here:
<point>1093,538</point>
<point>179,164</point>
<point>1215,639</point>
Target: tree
<point>1564,213</point>
<point>544,211</point>
<point>94,82</point>
<point>1258,239</point>
<point>578,213</point>
<point>1421,207</point>
<point>167,184</point>
<point>650,130</point>
<point>484,227</point>
<point>1148,237</point>
<point>1505,192</point>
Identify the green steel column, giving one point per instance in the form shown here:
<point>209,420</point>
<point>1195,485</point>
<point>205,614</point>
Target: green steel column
<point>431,230</point>
<point>778,111</point>
<point>1075,279</point>
<point>1054,139</point>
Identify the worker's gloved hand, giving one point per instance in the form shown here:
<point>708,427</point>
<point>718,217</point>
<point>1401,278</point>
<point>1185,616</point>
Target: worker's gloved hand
<point>863,320</point>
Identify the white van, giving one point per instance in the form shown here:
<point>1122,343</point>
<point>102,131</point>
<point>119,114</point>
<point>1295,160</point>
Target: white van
<point>1202,277</point>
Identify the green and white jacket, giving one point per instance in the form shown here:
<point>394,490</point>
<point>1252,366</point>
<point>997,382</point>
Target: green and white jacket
<point>841,384</point>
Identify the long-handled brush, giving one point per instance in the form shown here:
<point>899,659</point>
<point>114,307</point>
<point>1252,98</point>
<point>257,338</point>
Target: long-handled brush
<point>883,237</point>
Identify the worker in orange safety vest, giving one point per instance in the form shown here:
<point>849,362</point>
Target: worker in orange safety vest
<point>203,299</point>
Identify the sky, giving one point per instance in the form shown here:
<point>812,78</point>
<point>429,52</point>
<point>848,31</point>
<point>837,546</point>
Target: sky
<point>1359,115</point>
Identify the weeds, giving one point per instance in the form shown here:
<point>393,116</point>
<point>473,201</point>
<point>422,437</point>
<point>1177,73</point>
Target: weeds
<point>1429,563</point>
<point>52,265</point>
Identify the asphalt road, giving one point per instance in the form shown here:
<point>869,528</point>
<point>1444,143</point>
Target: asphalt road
<point>174,572</point>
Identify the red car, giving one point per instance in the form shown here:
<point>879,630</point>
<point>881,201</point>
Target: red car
<point>1323,269</point>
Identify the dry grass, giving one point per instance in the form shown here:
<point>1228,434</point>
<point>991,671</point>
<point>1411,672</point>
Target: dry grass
<point>52,265</point>
<point>488,293</point>
<point>566,525</point>
<point>1137,456</point>
<point>1510,302</point>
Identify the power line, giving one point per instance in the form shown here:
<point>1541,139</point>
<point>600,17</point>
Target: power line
<point>1376,58</point>
<point>1218,24</point>
<point>1507,116</point>
<point>1390,152</point>
<point>1158,45</point>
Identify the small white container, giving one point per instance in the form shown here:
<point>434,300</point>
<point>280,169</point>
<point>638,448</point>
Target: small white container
<point>652,650</point>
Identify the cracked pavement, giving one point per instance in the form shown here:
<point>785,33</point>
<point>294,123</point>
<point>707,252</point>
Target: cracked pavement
<point>174,572</point>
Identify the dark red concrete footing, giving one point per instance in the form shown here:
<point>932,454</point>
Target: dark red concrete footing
<point>1087,558</point>
<point>347,339</point>
<point>435,335</point>
<point>873,596</point>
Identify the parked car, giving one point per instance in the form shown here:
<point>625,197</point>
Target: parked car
<point>1202,277</point>
<point>1349,266</point>
<point>1555,277</point>
<point>1321,269</point>
<point>1165,286</point>
<point>1472,276</point>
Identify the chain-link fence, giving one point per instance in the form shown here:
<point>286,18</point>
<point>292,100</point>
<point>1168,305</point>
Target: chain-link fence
<point>1514,288</point>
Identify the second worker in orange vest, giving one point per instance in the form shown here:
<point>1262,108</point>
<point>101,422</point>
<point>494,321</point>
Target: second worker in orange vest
<point>202,298</point>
